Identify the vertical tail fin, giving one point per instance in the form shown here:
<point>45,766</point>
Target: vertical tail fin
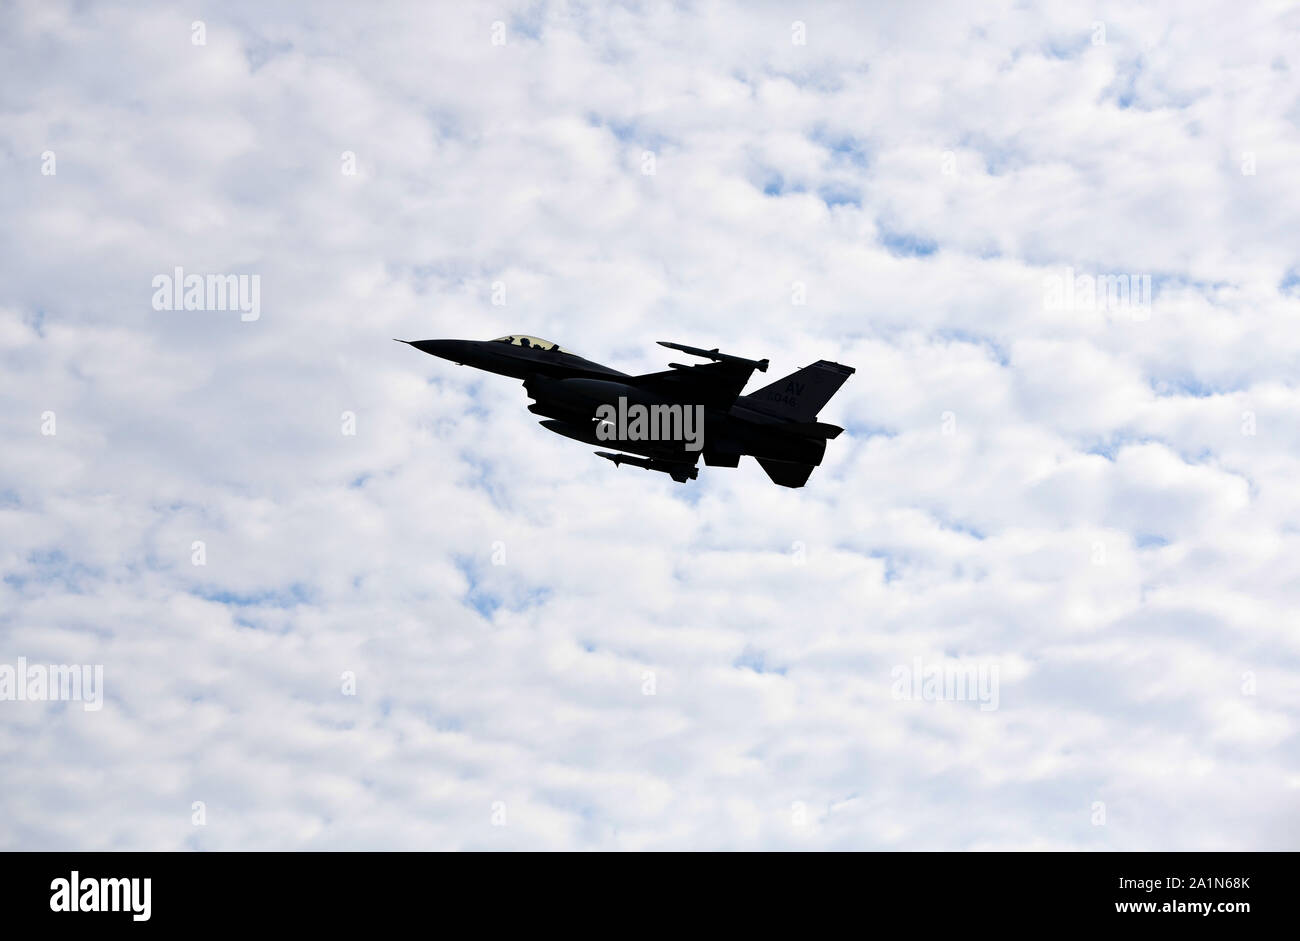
<point>802,394</point>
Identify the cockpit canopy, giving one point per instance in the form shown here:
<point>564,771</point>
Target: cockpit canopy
<point>534,342</point>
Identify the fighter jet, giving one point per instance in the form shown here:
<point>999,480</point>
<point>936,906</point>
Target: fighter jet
<point>668,420</point>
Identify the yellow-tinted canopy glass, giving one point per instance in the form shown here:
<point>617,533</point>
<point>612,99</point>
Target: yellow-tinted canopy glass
<point>536,342</point>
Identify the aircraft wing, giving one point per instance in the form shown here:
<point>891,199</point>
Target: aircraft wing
<point>716,384</point>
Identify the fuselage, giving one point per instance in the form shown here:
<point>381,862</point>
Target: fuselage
<point>568,391</point>
<point>508,358</point>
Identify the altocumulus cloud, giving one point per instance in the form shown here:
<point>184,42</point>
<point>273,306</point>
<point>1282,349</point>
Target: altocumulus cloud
<point>348,596</point>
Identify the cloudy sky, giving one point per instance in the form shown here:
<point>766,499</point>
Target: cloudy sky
<point>453,630</point>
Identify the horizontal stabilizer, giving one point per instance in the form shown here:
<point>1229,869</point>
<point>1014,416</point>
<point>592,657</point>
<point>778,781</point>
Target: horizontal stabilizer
<point>813,429</point>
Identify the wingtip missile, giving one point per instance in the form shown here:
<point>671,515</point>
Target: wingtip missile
<point>713,354</point>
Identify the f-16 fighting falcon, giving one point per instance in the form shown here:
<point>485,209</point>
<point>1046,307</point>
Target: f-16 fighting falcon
<point>670,418</point>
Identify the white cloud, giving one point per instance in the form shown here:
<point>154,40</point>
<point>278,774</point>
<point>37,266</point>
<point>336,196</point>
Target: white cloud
<point>1111,523</point>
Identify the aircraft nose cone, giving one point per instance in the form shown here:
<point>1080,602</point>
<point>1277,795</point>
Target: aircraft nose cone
<point>445,349</point>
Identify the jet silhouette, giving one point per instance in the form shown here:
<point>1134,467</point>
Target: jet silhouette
<point>670,418</point>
